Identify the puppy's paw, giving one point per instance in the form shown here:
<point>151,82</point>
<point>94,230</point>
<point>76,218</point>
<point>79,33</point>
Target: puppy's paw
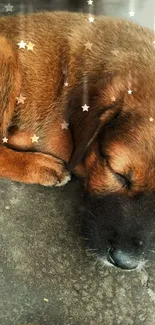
<point>48,170</point>
<point>64,181</point>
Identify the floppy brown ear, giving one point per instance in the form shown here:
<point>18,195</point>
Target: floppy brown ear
<point>104,105</point>
<point>10,82</point>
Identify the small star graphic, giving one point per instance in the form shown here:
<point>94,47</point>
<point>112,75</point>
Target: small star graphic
<point>34,138</point>
<point>64,125</point>
<point>66,84</point>
<point>131,13</point>
<point>5,140</point>
<point>88,45</point>
<point>8,7</point>
<point>130,91</point>
<point>151,119</point>
<point>113,98</point>
<point>22,45</point>
<point>90,2</point>
<point>85,108</point>
<point>91,19</point>
<point>30,46</point>
<point>20,99</point>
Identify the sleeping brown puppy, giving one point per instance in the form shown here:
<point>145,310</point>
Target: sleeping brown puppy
<point>112,145</point>
<point>80,93</point>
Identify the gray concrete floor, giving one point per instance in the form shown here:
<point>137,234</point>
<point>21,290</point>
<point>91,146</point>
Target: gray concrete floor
<point>46,275</point>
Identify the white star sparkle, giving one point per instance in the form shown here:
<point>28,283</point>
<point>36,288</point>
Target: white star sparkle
<point>64,125</point>
<point>85,108</point>
<point>91,19</point>
<point>34,138</point>
<point>88,45</point>
<point>8,7</point>
<point>5,140</point>
<point>22,45</point>
<point>130,91</point>
<point>21,99</point>
<point>151,119</point>
<point>90,2</point>
<point>30,46</point>
<point>131,13</point>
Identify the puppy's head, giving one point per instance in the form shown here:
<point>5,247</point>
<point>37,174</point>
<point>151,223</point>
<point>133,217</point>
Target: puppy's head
<point>114,151</point>
<point>114,141</point>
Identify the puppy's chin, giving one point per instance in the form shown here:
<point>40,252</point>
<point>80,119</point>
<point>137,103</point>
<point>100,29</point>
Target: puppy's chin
<point>120,231</point>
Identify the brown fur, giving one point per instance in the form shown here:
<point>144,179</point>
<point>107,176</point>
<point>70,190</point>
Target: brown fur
<point>115,138</point>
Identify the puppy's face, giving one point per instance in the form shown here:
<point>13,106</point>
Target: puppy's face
<point>115,139</point>
<point>122,158</point>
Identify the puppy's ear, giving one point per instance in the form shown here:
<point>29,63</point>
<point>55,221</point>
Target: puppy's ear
<point>10,82</point>
<point>104,101</point>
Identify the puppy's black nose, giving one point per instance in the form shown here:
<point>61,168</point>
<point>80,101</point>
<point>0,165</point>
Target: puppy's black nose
<point>122,259</point>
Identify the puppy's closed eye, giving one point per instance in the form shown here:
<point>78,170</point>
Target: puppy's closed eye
<point>124,180</point>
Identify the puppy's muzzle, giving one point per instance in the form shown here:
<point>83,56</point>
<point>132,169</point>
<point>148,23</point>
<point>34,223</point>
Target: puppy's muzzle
<point>123,259</point>
<point>119,229</point>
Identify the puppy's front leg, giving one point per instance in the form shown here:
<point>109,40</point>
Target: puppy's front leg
<point>32,167</point>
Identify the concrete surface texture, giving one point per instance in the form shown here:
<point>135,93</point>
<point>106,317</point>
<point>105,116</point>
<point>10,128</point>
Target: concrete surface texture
<point>46,275</point>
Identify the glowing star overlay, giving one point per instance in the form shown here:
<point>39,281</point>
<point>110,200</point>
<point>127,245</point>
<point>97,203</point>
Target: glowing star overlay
<point>66,84</point>
<point>22,45</point>
<point>88,45</point>
<point>131,13</point>
<point>34,138</point>
<point>90,2</point>
<point>21,99</point>
<point>151,119</point>
<point>64,125</point>
<point>91,19</point>
<point>5,140</point>
<point>85,108</point>
<point>130,91</point>
<point>30,46</point>
<point>8,7</point>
